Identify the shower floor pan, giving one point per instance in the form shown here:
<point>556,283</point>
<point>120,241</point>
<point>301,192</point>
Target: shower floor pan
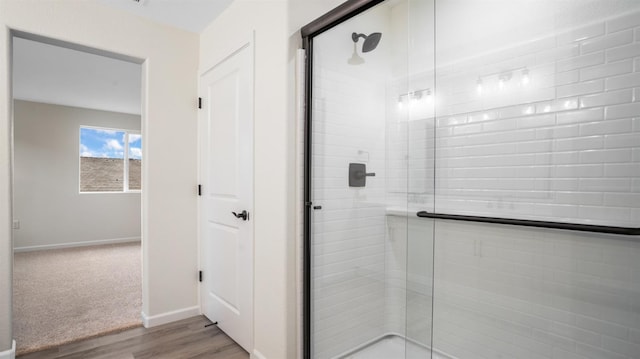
<point>392,347</point>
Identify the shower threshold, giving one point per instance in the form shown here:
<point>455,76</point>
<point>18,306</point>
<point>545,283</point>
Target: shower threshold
<point>392,346</point>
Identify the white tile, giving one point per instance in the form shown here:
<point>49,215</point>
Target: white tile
<point>606,98</point>
<point>537,121</point>
<point>606,127</point>
<point>600,326</point>
<point>605,156</point>
<point>559,132</point>
<point>607,70</point>
<point>466,129</point>
<point>576,334</point>
<point>534,147</point>
<point>622,140</point>
<point>580,116</point>
<point>622,111</point>
<point>563,158</point>
<point>622,200</point>
<point>634,335</point>
<point>579,171</point>
<point>566,104</point>
<point>605,42</point>
<point>582,143</point>
<point>605,184</point>
<point>622,170</point>
<point>482,116</point>
<point>563,354</point>
<point>580,62</point>
<point>569,77</point>
<point>452,121</point>
<point>623,52</point>
<point>611,216</point>
<point>624,81</point>
<point>620,346</point>
<point>623,22</point>
<point>581,88</point>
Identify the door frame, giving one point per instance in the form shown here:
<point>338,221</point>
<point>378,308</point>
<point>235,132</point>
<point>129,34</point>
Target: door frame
<point>248,42</point>
<point>144,195</point>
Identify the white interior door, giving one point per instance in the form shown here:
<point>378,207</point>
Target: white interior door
<point>227,188</point>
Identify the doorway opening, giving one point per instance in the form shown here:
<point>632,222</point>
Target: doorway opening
<point>77,192</point>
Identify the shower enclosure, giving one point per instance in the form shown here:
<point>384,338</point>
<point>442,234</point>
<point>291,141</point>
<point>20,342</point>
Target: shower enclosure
<point>472,180</point>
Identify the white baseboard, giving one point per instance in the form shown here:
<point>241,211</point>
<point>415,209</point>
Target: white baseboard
<point>9,353</point>
<point>76,244</point>
<point>168,317</point>
<point>257,355</point>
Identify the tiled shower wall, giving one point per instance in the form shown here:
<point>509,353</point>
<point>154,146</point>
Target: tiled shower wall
<point>564,147</point>
<point>349,230</point>
<point>510,292</point>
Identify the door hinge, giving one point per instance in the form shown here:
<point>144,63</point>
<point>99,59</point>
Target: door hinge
<point>199,276</point>
<point>199,190</point>
<point>199,102</point>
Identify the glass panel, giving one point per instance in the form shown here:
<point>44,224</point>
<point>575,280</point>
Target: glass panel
<point>368,115</point>
<point>101,160</point>
<point>135,161</point>
<point>536,110</point>
<point>419,103</point>
<point>536,118</point>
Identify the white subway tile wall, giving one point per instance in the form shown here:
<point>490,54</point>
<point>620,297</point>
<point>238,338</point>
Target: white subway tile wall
<point>560,147</point>
<point>568,154</point>
<point>511,292</point>
<point>349,231</point>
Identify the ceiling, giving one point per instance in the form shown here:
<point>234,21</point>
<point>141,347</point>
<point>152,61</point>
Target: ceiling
<point>58,75</point>
<point>190,15</point>
<point>52,74</point>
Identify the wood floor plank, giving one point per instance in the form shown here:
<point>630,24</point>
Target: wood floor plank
<point>183,339</point>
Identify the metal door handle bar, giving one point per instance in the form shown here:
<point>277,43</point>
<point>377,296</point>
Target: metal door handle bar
<point>244,215</point>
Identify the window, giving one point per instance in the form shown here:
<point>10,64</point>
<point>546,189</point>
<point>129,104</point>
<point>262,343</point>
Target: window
<point>110,160</point>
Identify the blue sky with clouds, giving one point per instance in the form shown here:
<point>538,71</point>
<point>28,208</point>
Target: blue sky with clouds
<point>104,143</point>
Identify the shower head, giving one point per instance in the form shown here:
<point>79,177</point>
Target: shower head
<point>370,42</point>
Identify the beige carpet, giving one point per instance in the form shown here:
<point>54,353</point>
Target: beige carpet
<point>64,295</point>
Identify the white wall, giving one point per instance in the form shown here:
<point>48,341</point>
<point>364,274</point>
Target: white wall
<point>274,322</point>
<point>47,201</point>
<point>169,129</point>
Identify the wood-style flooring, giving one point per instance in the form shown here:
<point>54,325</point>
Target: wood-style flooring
<point>179,340</point>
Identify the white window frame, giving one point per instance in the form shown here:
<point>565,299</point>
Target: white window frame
<point>125,181</point>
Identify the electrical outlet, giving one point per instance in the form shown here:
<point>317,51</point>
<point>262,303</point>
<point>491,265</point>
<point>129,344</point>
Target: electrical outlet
<point>16,224</point>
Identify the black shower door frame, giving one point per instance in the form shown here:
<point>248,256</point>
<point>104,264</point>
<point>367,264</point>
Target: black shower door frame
<point>340,14</point>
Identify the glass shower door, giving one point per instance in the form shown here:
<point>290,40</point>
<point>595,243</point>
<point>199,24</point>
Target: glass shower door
<point>537,120</point>
<point>367,115</point>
